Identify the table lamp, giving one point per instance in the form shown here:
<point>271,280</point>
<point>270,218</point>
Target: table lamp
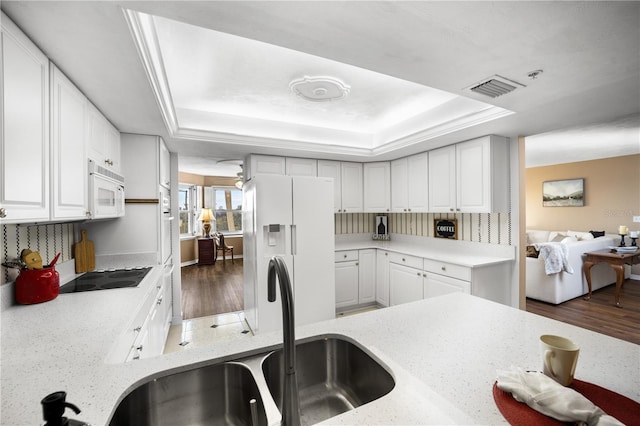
<point>206,216</point>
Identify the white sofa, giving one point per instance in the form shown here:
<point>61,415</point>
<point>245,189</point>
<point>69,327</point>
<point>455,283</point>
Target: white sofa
<point>562,286</point>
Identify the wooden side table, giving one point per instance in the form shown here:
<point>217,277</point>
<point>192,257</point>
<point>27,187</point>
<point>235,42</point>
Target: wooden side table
<point>616,260</point>
<point>206,251</point>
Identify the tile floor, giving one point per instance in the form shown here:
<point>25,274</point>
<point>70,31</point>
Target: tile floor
<point>204,331</point>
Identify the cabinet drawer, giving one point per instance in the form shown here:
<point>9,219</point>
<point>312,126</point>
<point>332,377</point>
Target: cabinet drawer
<point>448,269</point>
<point>346,255</point>
<point>403,259</point>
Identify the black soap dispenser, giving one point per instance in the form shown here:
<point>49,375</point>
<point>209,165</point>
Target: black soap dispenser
<point>53,406</point>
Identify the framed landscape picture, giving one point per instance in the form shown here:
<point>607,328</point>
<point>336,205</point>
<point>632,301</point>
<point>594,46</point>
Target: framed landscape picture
<point>563,193</point>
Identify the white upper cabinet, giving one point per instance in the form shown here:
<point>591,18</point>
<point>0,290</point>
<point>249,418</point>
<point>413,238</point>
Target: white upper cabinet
<point>351,184</point>
<point>409,184</point>
<point>103,140</point>
<point>327,168</point>
<point>68,135</point>
<point>399,188</point>
<point>482,175</point>
<point>165,166</point>
<point>418,182</point>
<point>24,129</point>
<point>470,177</point>
<point>301,167</point>
<point>377,187</point>
<point>442,179</point>
<point>347,183</point>
<point>263,165</point>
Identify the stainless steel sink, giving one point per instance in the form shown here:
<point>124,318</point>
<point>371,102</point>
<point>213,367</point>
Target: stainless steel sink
<point>334,376</point>
<point>217,394</point>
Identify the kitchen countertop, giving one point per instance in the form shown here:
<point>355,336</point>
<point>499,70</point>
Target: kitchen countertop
<point>443,353</point>
<point>463,253</point>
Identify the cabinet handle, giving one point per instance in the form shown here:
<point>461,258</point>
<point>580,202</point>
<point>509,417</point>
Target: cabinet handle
<point>3,212</point>
<point>403,259</point>
<point>451,209</point>
<point>443,268</point>
<point>357,264</point>
<point>386,254</point>
<point>409,210</point>
<point>424,275</point>
<point>419,274</point>
<point>159,302</point>
<point>345,256</point>
<point>137,329</point>
<point>458,209</point>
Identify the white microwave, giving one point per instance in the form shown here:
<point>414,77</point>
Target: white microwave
<point>106,192</point>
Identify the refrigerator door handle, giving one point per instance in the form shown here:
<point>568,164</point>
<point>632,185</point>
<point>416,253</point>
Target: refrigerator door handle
<point>294,239</point>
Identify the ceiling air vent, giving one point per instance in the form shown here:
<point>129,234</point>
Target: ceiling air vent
<point>495,86</point>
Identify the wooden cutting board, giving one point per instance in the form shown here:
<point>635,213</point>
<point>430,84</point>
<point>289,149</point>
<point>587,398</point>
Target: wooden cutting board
<point>84,254</point>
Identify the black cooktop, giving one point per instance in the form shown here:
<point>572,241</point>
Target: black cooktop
<point>105,280</point>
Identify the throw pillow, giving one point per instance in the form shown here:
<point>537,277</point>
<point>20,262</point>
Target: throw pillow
<point>597,234</point>
<point>569,240</point>
<point>558,238</point>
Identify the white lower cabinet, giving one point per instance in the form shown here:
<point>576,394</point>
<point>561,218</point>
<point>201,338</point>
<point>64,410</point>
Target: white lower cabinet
<point>412,278</point>
<point>382,277</point>
<point>151,325</point>
<point>405,284</point>
<point>366,276</point>
<point>355,272</point>
<point>437,285</point>
<point>346,283</point>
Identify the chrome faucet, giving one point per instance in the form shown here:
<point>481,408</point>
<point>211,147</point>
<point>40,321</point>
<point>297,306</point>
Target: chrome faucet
<point>290,396</point>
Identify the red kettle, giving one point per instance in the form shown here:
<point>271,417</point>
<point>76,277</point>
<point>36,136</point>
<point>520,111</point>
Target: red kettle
<point>38,285</point>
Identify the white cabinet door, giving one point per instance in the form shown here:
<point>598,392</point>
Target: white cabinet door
<point>24,129</point>
<point>366,276</point>
<point>346,284</point>
<point>264,165</point>
<point>301,167</point>
<point>351,183</point>
<point>382,277</point>
<point>165,165</point>
<point>483,175</point>
<point>418,183</point>
<point>103,140</point>
<point>405,284</point>
<point>442,179</point>
<point>331,169</point>
<point>437,285</point>
<point>68,135</point>
<point>399,187</point>
<point>377,187</point>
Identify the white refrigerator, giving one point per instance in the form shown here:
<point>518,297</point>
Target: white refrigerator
<point>290,217</point>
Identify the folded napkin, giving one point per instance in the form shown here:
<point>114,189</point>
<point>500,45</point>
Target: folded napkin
<point>550,398</point>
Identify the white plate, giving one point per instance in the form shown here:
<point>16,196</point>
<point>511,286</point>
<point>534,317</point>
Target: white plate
<point>630,249</point>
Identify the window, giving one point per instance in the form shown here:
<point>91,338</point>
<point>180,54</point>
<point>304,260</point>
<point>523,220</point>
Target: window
<point>187,201</point>
<point>228,209</point>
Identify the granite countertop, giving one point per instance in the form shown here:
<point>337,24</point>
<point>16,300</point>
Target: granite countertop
<point>463,253</point>
<point>443,353</point>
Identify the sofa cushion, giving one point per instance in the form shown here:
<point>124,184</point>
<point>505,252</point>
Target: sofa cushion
<point>580,235</point>
<point>535,236</point>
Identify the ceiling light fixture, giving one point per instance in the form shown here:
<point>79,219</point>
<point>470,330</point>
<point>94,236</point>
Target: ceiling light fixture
<point>534,74</point>
<point>319,89</point>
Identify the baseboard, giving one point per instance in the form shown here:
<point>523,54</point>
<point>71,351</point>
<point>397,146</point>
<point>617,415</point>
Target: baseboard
<point>189,263</point>
<point>635,277</point>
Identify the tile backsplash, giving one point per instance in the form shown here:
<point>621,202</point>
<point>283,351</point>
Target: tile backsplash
<point>48,239</point>
<point>492,228</point>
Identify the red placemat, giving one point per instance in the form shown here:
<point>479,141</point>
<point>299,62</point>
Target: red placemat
<point>518,413</point>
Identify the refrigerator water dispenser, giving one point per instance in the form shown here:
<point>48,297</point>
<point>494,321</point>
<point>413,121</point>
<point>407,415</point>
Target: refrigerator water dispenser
<point>275,239</point>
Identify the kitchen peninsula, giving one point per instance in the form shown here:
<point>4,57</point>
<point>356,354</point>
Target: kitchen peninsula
<point>443,353</point>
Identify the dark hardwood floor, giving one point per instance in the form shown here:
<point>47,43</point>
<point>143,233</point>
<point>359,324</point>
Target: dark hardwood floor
<point>599,314</point>
<point>212,289</point>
